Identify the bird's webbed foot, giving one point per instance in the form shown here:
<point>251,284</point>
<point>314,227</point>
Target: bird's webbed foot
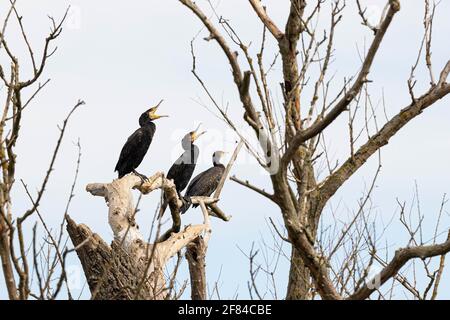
<point>140,175</point>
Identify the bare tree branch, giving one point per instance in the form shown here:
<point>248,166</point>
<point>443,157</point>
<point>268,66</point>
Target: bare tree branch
<point>262,14</point>
<point>346,170</point>
<point>320,124</point>
<point>402,256</point>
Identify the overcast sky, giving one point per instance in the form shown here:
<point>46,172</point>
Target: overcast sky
<point>122,57</point>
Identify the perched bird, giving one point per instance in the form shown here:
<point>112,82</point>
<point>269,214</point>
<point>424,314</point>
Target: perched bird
<point>137,145</point>
<point>206,182</point>
<point>183,168</point>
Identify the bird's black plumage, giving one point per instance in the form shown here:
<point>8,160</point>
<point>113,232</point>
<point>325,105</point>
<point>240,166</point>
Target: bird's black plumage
<point>183,168</point>
<point>204,184</point>
<point>134,150</point>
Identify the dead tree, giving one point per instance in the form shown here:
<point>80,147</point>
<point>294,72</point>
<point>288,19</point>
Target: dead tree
<point>131,268</point>
<point>289,148</point>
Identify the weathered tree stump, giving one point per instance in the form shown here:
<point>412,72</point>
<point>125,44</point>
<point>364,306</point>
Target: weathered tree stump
<point>131,268</point>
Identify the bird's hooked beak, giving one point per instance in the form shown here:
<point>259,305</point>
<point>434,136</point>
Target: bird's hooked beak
<point>152,112</point>
<point>195,134</point>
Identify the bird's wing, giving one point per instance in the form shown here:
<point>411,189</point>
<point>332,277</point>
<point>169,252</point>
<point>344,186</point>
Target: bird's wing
<point>214,177</point>
<point>205,183</point>
<point>193,183</point>
<point>131,145</point>
<point>185,160</point>
<point>175,168</point>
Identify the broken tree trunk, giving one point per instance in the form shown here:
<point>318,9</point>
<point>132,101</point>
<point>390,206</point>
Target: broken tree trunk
<point>110,271</point>
<point>131,268</point>
<point>195,255</point>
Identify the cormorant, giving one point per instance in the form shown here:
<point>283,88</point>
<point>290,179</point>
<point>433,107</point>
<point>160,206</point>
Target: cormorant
<point>136,147</point>
<point>183,168</point>
<point>206,182</point>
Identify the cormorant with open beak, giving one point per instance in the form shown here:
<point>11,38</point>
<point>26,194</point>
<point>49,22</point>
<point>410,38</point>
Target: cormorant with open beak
<point>204,184</point>
<point>137,145</point>
<point>183,168</point>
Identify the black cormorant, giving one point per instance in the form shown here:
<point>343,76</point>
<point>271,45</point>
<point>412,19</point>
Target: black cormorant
<point>183,168</point>
<point>136,147</point>
<point>206,182</point>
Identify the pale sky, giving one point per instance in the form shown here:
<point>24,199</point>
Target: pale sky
<point>122,57</point>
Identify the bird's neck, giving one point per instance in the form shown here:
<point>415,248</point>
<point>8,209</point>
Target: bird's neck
<point>187,145</point>
<point>218,164</point>
<point>191,153</point>
<point>148,125</point>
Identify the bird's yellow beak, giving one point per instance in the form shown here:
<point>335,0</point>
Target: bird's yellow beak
<point>195,134</point>
<point>152,112</point>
